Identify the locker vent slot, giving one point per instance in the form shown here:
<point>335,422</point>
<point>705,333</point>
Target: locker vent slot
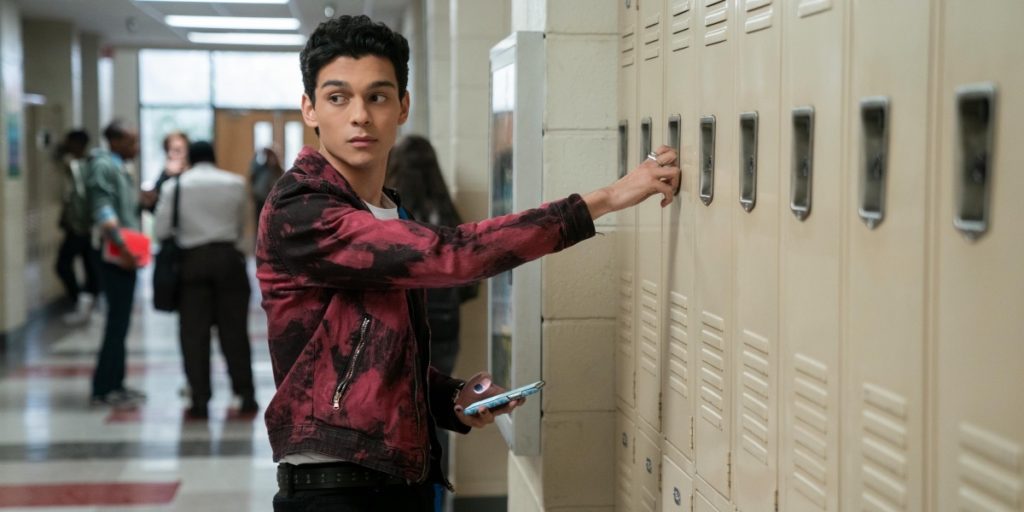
<point>712,369</point>
<point>623,148</point>
<point>811,7</point>
<point>680,27</point>
<point>627,47</point>
<point>990,471</point>
<point>652,37</point>
<point>975,127</point>
<point>803,162</point>
<point>649,329</point>
<point>759,20</point>
<point>810,430</point>
<point>716,21</point>
<point>679,6</point>
<point>678,345</point>
<point>752,5</point>
<point>756,396</point>
<point>624,467</point>
<point>884,468</point>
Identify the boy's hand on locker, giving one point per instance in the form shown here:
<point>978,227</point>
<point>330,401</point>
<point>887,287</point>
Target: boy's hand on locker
<point>658,175</point>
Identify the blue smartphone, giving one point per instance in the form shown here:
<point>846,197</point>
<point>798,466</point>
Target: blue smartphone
<point>499,401</point>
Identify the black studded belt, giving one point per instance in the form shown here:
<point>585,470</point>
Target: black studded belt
<point>305,477</point>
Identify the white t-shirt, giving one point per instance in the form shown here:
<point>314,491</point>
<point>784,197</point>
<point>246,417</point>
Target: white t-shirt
<point>388,212</point>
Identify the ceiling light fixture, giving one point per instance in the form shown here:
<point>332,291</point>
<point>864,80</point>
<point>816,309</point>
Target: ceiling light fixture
<point>232,22</point>
<point>247,38</point>
<point>222,1</point>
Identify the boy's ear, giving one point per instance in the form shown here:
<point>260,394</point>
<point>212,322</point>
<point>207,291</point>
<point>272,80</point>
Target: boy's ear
<point>309,113</point>
<point>404,115</point>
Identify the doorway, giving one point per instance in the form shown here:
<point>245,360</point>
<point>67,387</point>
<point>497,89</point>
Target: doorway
<point>239,134</point>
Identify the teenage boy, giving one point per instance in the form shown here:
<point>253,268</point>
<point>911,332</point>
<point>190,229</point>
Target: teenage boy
<point>342,271</point>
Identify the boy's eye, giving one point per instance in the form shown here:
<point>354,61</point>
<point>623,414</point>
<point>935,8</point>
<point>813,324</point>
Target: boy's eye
<point>378,98</point>
<point>336,99</point>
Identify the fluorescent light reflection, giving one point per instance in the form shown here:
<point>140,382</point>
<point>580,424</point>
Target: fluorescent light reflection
<point>247,38</point>
<point>232,22</point>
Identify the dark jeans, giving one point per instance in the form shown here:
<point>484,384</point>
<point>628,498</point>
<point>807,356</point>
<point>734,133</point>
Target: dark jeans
<point>119,288</point>
<point>390,498</point>
<point>75,246</point>
<point>215,292</point>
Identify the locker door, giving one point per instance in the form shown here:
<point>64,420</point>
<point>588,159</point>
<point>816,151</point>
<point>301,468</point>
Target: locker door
<point>681,132</point>
<point>676,487</point>
<point>648,270</point>
<point>886,179</point>
<point>625,348</point>
<point>713,259</point>
<point>756,221</point>
<point>979,328</point>
<point>647,469</point>
<point>813,60</point>
<point>625,449</point>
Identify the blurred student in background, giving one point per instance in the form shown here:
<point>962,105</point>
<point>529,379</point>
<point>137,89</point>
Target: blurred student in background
<point>176,149</point>
<point>76,223</point>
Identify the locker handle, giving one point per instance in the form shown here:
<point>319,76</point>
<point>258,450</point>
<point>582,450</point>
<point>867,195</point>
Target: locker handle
<point>677,496</point>
<point>803,162</point>
<point>623,148</point>
<point>645,138</point>
<point>707,159</point>
<point>975,133</point>
<point>648,465</point>
<point>748,160</point>
<point>874,159</point>
<point>675,141</point>
<point>625,440</point>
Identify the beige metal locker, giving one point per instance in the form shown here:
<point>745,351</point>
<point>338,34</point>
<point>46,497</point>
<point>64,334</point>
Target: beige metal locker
<point>648,304</point>
<point>647,471</point>
<point>756,244</point>
<point>979,246</point>
<point>625,450</point>
<point>713,260</point>
<point>678,386</point>
<point>885,186</point>
<point>625,347</point>
<point>811,163</point>
<point>676,487</point>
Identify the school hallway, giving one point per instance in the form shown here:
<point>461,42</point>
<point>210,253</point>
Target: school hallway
<point>58,452</point>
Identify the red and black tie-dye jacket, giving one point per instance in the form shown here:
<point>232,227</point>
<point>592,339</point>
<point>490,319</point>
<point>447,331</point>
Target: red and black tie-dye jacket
<point>347,326</point>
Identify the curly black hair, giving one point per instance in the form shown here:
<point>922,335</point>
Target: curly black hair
<point>355,37</point>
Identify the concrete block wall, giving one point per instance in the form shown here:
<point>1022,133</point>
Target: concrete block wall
<point>575,468</point>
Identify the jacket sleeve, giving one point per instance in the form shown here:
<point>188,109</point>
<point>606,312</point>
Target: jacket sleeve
<point>102,190</point>
<point>442,404</point>
<point>321,241</point>
<point>164,209</point>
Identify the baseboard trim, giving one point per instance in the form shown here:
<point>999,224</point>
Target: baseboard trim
<point>480,504</point>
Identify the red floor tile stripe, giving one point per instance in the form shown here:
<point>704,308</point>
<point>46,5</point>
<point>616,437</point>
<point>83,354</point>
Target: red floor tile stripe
<point>72,494</point>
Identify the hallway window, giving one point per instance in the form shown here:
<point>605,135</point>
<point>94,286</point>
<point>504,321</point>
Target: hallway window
<point>256,80</point>
<point>174,92</point>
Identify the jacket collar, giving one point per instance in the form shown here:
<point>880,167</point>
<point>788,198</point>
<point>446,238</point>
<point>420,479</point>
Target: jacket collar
<point>311,163</point>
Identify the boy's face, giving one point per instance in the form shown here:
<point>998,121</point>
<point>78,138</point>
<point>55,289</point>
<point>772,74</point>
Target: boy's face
<point>357,110</point>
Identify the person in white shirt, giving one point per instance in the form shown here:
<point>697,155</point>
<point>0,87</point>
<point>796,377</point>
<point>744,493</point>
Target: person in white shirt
<point>215,287</point>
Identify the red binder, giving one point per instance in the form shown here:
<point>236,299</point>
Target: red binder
<point>137,244</point>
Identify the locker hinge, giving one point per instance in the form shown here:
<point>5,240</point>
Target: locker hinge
<point>776,500</point>
<point>728,471</point>
<point>692,447</point>
<point>659,407</point>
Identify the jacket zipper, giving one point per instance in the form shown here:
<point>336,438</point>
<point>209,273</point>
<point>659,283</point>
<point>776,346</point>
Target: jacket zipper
<point>340,390</point>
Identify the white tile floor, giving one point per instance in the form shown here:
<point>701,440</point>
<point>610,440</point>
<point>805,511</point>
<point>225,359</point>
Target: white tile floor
<point>49,435</point>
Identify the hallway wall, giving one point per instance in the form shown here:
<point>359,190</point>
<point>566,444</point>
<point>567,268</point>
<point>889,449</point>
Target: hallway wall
<point>12,183</point>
